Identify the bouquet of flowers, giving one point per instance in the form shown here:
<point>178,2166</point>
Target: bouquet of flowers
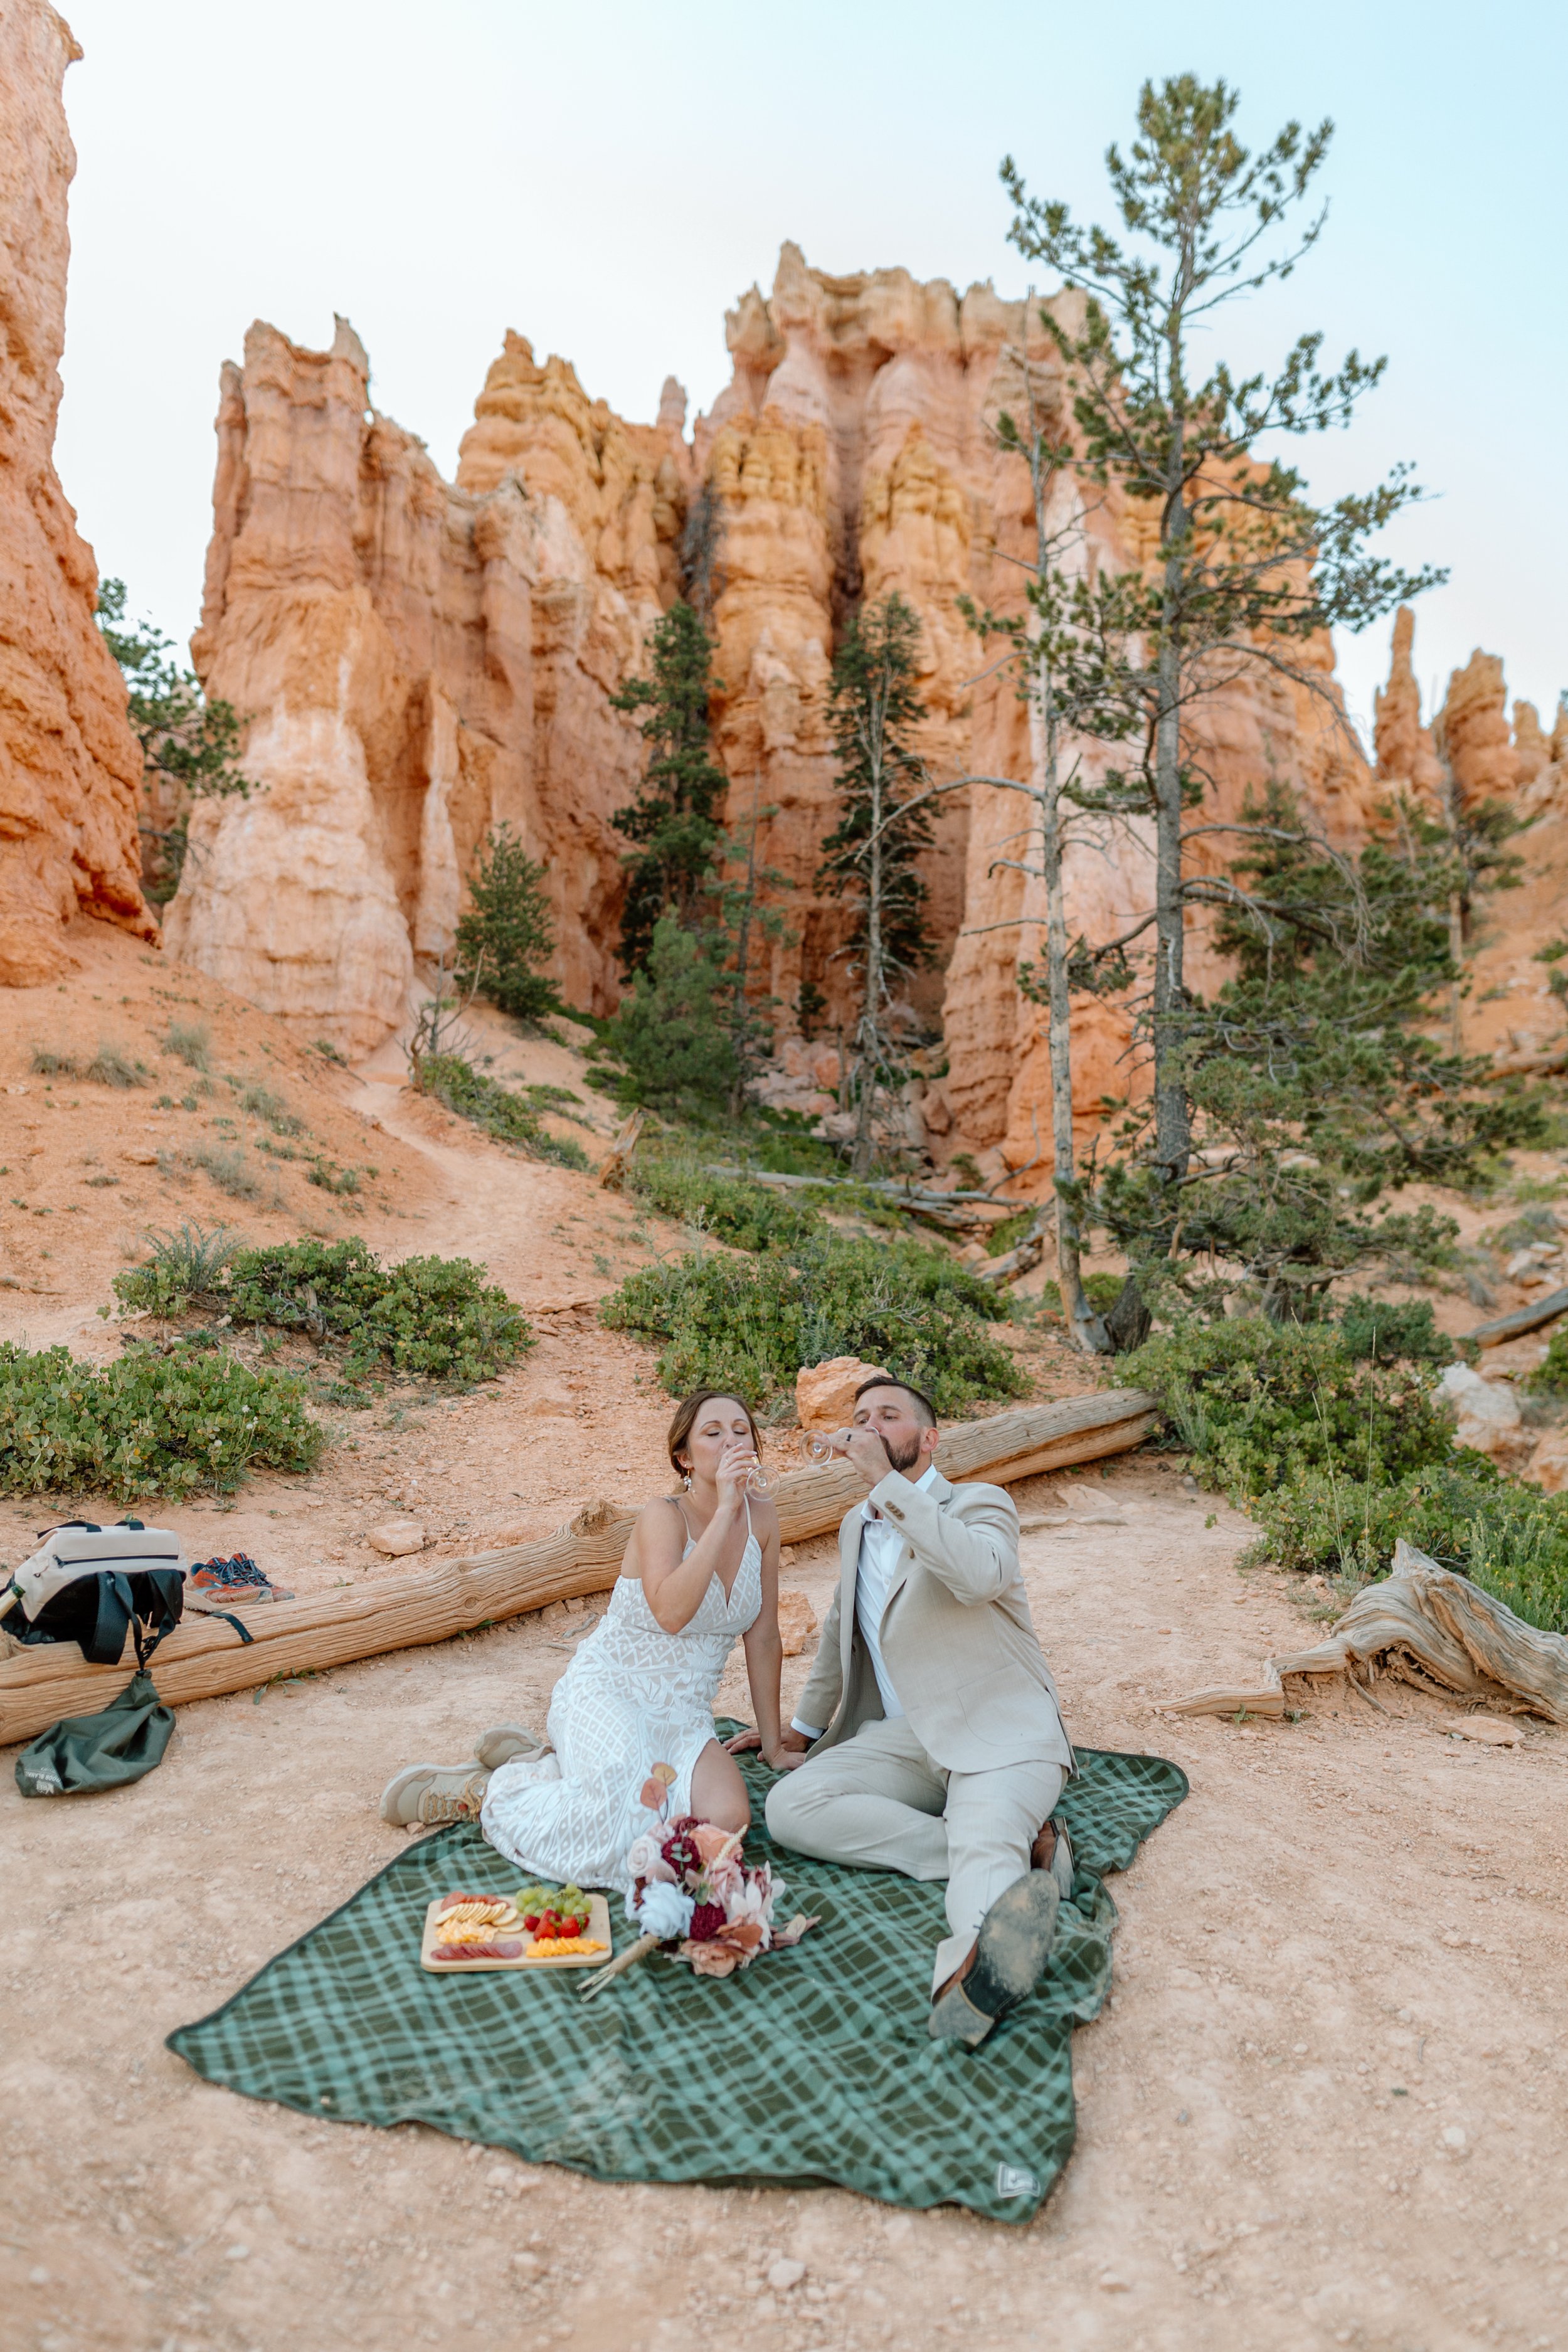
<point>693,1894</point>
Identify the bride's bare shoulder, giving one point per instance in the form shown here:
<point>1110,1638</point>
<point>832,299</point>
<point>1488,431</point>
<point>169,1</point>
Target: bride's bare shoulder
<point>659,1519</point>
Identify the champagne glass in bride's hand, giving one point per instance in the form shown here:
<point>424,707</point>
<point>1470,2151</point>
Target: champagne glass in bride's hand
<point>748,1472</point>
<point>818,1446</point>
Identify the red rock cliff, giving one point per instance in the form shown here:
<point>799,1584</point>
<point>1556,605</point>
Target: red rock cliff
<point>69,765</point>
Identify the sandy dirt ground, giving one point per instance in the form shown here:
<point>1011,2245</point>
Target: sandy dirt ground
<point>1325,2105</point>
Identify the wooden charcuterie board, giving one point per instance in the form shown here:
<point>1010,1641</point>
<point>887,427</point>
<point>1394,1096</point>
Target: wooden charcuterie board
<point>599,1930</point>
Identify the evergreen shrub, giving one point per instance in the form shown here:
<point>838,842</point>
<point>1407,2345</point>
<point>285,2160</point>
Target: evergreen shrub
<point>148,1424</point>
<point>1509,1539</point>
<point>751,1323</point>
<point>1550,1377</point>
<point>1258,1403</point>
<point>434,1317</point>
<point>749,1216</point>
<point>507,936</point>
<point>512,1117</point>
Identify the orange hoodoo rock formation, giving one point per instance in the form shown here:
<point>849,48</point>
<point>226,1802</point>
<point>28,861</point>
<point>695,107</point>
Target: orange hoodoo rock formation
<point>69,765</point>
<point>1471,754</point>
<point>419,660</point>
<point>416,661</point>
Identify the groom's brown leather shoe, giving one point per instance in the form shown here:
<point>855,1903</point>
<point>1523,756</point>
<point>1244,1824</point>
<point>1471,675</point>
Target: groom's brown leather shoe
<point>1008,1960</point>
<point>1052,1850</point>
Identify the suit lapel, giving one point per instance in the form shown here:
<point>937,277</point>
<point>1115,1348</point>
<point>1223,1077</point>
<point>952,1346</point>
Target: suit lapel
<point>848,1571</point>
<point>941,1493</point>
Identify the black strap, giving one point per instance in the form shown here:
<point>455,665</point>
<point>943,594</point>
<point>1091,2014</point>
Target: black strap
<point>168,1614</point>
<point>242,1630</point>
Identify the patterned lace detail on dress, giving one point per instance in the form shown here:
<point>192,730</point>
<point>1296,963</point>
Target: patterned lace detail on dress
<point>633,1696</point>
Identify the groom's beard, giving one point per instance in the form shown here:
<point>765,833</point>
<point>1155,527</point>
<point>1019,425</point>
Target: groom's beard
<point>904,1457</point>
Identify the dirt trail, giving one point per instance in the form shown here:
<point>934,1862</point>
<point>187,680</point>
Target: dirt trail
<point>1327,2101</point>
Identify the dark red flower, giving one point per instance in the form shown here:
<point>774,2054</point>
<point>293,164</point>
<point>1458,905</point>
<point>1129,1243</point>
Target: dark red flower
<point>706,1920</point>
<point>680,1851</point>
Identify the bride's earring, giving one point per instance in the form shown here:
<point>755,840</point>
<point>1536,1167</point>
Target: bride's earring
<point>686,1480</point>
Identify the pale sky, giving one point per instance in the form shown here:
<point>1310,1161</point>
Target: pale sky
<point>607,179</point>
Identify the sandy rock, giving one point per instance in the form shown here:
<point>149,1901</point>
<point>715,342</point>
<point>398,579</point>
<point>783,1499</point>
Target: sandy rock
<point>824,1393</point>
<point>786,2273</point>
<point>71,767</point>
<point>1488,1415</point>
<point>1488,1730</point>
<point>1549,1463</point>
<point>553,1404</point>
<point>141,1155</point>
<point>797,1622</point>
<point>395,1538</point>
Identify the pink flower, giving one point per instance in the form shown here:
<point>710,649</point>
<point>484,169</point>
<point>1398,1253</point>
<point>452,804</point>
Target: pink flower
<point>710,1840</point>
<point>751,1905</point>
<point>724,1879</point>
<point>644,1860</point>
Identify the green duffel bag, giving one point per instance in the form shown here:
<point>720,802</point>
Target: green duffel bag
<point>87,1752</point>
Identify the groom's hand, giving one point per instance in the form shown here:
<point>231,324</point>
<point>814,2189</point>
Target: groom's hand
<point>869,1455</point>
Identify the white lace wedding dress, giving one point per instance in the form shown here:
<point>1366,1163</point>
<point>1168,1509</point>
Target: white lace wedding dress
<point>633,1696</point>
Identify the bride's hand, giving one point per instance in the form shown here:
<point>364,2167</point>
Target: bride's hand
<point>740,1741</point>
<point>736,1466</point>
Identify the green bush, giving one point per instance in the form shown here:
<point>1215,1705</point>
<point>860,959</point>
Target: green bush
<point>1511,1539</point>
<point>507,935</point>
<point>1257,1403</point>
<point>432,1316</point>
<point>750,1216</point>
<point>1101,1290</point>
<point>1375,1331</point>
<point>1549,1376</point>
<point>148,1424</point>
<point>673,1030</point>
<point>511,1117</point>
<point>751,1323</point>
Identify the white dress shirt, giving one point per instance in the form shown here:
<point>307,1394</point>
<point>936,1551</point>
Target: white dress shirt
<point>880,1545</point>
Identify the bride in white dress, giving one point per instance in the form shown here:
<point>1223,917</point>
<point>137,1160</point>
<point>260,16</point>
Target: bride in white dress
<point>700,1570</point>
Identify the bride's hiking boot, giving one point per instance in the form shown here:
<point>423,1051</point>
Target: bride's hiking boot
<point>505,1743</point>
<point>1007,1962</point>
<point>426,1795</point>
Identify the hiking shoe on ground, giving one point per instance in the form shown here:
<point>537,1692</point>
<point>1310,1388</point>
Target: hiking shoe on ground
<point>237,1579</point>
<point>1008,1961</point>
<point>503,1743</point>
<point>424,1795</point>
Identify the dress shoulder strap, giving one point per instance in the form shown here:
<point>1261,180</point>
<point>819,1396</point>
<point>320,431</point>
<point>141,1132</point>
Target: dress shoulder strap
<point>691,1539</point>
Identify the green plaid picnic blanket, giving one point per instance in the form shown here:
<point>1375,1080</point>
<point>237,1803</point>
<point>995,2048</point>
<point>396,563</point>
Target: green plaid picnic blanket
<point>813,2066</point>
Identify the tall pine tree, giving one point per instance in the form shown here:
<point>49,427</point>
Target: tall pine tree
<point>679,841</point>
<point>871,858</point>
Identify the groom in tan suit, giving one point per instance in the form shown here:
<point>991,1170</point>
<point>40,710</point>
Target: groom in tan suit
<point>934,1737</point>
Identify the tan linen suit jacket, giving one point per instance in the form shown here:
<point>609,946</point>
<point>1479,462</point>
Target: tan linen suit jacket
<point>956,1636</point>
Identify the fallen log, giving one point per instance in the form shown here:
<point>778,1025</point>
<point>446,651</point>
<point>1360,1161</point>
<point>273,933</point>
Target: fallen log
<point>1427,1626</point>
<point>204,1658</point>
<point>1523,1320</point>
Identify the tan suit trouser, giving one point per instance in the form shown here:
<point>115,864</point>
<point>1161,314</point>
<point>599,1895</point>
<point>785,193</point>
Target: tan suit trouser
<point>878,1800</point>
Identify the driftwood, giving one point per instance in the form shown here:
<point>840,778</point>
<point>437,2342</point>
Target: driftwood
<point>612,1175</point>
<point>204,1658</point>
<point>1522,1320</point>
<point>1427,1626</point>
